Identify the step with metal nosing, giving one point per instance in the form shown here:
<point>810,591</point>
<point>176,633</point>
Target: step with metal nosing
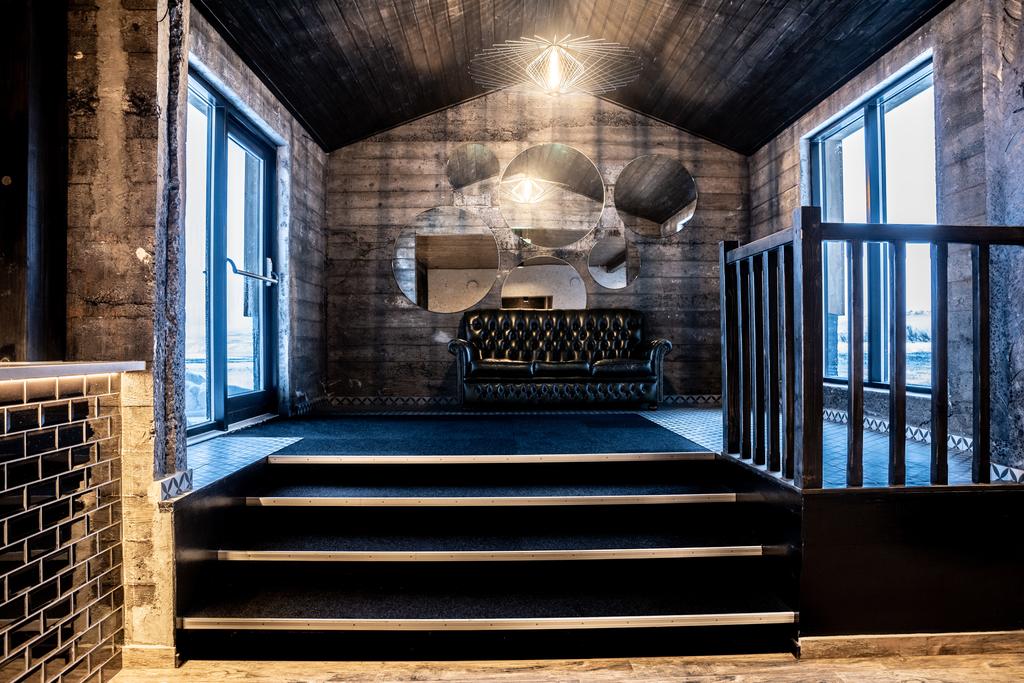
<point>455,459</point>
<point>494,624</point>
<point>486,555</point>
<point>486,501</point>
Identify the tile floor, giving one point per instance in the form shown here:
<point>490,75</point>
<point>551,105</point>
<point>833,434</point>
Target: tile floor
<point>704,426</point>
<point>218,457</point>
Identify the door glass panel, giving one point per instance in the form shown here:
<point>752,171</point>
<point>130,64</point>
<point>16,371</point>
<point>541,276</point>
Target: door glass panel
<point>845,200</point>
<point>245,295</point>
<point>197,282</point>
<point>910,198</point>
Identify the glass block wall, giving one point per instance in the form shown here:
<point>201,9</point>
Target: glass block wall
<point>61,591</point>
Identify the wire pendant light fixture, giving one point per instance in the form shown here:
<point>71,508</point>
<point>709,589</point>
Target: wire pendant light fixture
<point>557,66</point>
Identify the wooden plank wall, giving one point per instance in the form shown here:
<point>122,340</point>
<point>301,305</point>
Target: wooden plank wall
<point>779,179</point>
<point>379,344</point>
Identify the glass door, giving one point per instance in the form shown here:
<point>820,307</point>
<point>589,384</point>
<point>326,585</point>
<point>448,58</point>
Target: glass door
<point>250,284</point>
<point>198,361</point>
<point>231,285</point>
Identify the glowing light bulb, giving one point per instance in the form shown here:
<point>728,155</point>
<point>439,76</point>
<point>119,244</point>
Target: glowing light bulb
<point>558,65</point>
<point>554,70</point>
<point>528,191</point>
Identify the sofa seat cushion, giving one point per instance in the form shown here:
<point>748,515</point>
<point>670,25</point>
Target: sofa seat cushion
<point>500,368</point>
<point>623,367</point>
<point>568,368</point>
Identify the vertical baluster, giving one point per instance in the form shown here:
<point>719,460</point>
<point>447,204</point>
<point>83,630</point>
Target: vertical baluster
<point>743,325</point>
<point>897,363</point>
<point>730,350</point>
<point>770,286</point>
<point>808,312</point>
<point>855,366</point>
<point>980,468</point>
<point>757,358</point>
<point>940,365</point>
<point>787,372</point>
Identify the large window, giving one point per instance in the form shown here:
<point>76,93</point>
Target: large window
<point>230,285</point>
<point>877,165</point>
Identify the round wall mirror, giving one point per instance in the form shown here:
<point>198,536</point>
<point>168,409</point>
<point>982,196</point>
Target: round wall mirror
<point>655,196</point>
<point>614,262</point>
<point>446,260</point>
<point>544,282</point>
<point>551,195</point>
<point>473,168</point>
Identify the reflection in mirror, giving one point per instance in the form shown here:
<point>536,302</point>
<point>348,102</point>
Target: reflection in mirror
<point>446,260</point>
<point>544,282</point>
<point>614,262</point>
<point>472,168</point>
<point>655,196</point>
<point>551,195</point>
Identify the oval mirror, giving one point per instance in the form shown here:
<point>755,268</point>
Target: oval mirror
<point>544,282</point>
<point>446,260</point>
<point>551,195</point>
<point>614,261</point>
<point>655,196</point>
<point>472,168</point>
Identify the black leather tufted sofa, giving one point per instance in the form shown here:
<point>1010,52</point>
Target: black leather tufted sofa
<point>516,356</point>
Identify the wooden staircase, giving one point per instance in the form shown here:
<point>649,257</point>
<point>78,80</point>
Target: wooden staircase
<point>307,548</point>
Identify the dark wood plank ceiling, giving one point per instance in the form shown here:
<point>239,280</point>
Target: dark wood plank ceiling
<point>733,71</point>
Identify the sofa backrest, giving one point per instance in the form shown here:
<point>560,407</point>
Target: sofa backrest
<point>553,335</point>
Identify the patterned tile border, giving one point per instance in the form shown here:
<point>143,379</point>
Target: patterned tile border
<point>175,485</point>
<point>335,403</point>
<point>705,400</point>
<point>920,434</point>
<point>377,402</point>
<point>213,459</point>
<point>1007,474</point>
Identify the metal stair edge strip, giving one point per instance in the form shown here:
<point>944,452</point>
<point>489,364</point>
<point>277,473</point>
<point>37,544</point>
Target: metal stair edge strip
<point>480,501</point>
<point>490,555</point>
<point>414,459</point>
<point>487,624</point>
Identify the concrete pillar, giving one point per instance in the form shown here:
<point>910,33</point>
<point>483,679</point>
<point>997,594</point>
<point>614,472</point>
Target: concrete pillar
<point>126,90</point>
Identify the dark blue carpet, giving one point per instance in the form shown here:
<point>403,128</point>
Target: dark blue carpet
<point>473,435</point>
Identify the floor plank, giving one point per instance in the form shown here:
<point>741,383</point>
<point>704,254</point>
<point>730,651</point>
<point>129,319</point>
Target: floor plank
<point>742,669</point>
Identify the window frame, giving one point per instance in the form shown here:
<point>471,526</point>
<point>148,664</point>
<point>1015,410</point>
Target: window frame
<point>228,121</point>
<point>871,113</point>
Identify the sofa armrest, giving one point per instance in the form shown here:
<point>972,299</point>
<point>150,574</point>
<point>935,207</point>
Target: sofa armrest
<point>655,349</point>
<point>462,350</point>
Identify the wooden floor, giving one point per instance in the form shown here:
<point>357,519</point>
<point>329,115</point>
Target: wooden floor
<point>776,668</point>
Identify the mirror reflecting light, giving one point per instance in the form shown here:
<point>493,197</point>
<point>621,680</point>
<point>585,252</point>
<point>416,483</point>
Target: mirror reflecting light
<point>551,195</point>
<point>614,261</point>
<point>544,283</point>
<point>472,169</point>
<point>446,260</point>
<point>655,196</point>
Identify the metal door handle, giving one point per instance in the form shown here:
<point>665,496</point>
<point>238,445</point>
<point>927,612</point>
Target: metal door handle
<point>271,279</point>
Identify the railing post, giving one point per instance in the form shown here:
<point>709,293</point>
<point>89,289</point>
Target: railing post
<point>807,299</point>
<point>980,468</point>
<point>744,334</point>
<point>757,359</point>
<point>898,363</point>
<point>730,350</point>
<point>855,364</point>
<point>770,286</point>
<point>787,358</point>
<point>940,365</point>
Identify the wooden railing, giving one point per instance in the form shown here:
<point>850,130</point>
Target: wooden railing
<point>772,346</point>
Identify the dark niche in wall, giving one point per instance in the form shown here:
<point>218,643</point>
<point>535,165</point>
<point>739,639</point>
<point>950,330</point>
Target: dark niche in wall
<point>33,180</point>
